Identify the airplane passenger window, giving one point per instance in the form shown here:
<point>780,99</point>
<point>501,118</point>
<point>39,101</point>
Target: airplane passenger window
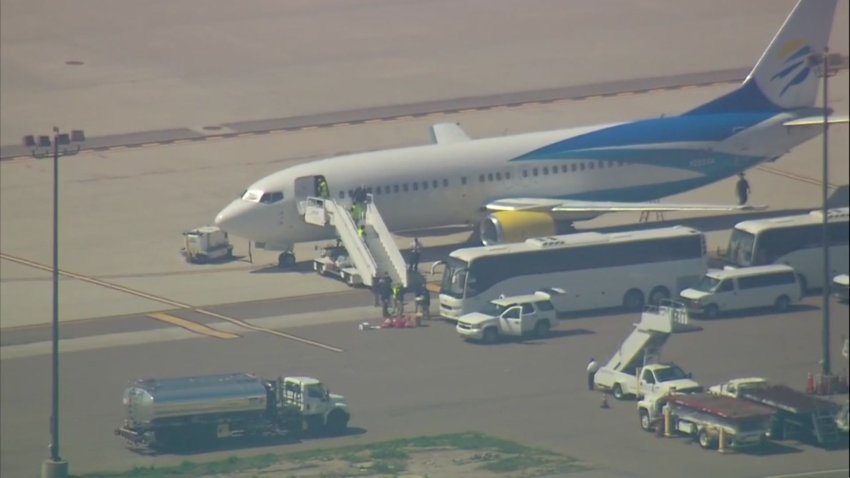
<point>581,166</point>
<point>435,184</point>
<point>424,185</point>
<point>463,179</point>
<point>395,188</point>
<point>481,178</point>
<point>563,168</point>
<point>601,164</point>
<point>416,186</point>
<point>342,194</point>
<point>610,164</point>
<point>534,171</point>
<point>508,175</point>
<point>445,183</point>
<point>546,170</point>
<point>404,187</point>
<point>525,173</point>
<point>386,189</point>
<point>350,193</point>
<point>378,190</point>
<point>589,165</point>
<point>489,176</point>
<point>498,176</point>
<point>573,167</point>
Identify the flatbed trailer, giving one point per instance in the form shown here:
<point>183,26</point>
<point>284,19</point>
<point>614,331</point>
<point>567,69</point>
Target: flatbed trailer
<point>703,416</point>
<point>798,414</point>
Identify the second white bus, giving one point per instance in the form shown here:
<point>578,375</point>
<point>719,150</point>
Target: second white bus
<point>596,270</point>
<point>796,241</point>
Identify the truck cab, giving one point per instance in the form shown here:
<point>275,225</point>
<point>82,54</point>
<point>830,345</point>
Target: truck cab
<point>516,316</point>
<point>652,379</point>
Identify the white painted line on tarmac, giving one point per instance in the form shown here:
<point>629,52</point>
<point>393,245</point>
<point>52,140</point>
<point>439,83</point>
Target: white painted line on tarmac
<point>810,473</point>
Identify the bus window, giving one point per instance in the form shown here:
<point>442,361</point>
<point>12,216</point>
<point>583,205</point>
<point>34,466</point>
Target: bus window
<point>454,278</point>
<point>741,248</point>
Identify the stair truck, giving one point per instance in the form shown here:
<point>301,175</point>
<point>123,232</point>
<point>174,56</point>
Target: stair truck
<point>633,370</point>
<point>798,415</point>
<point>705,416</point>
<point>190,412</point>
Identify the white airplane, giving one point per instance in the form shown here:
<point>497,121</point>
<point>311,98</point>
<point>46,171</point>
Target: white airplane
<point>537,184</point>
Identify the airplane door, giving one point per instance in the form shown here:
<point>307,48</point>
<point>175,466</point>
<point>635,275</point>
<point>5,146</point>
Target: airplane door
<point>305,187</point>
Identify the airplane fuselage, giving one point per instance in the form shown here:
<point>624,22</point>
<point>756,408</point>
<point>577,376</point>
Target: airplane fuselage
<point>445,184</point>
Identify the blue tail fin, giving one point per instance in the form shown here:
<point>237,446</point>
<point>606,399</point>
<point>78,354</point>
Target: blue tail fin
<point>782,78</point>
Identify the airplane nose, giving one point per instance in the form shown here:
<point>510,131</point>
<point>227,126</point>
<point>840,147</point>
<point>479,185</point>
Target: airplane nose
<point>228,219</point>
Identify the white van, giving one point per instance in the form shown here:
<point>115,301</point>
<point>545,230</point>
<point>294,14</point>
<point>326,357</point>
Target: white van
<point>745,288</point>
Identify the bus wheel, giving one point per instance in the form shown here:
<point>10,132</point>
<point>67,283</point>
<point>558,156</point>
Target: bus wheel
<point>658,294</point>
<point>633,300</point>
<point>782,304</point>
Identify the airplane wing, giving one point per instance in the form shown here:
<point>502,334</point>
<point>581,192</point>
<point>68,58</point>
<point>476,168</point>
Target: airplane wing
<point>817,120</point>
<point>560,205</point>
<point>445,133</point>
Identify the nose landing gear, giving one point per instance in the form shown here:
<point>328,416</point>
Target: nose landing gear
<point>286,260</point>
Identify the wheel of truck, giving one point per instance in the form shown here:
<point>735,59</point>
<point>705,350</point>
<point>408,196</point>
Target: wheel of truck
<point>705,440</point>
<point>658,294</point>
<point>712,311</point>
<point>337,422</point>
<point>542,329</point>
<point>285,260</point>
<point>645,421</point>
<point>633,300</point>
<point>782,303</point>
<point>617,390</point>
<point>490,335</point>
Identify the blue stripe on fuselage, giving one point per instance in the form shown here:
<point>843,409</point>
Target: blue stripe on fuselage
<point>692,128</point>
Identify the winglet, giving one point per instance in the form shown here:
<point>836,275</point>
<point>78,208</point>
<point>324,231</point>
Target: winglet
<point>445,133</point>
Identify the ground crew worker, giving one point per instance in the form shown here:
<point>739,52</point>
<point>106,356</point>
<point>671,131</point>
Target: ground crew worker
<point>361,231</point>
<point>386,293</point>
<point>398,297</point>
<point>592,367</point>
<point>423,302</point>
<point>742,187</point>
<point>415,253</point>
<point>324,191</point>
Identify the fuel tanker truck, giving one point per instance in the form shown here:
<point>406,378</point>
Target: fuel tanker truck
<point>190,412</point>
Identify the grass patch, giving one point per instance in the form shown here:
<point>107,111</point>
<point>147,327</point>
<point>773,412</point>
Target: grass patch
<point>492,454</point>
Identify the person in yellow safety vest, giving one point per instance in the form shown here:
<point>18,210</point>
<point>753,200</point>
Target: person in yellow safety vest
<point>324,191</point>
<point>398,298</point>
<point>361,231</point>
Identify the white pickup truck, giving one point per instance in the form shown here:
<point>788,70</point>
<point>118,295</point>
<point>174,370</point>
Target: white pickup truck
<point>652,379</point>
<point>515,316</point>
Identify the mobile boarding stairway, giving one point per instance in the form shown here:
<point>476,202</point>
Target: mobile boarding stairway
<point>643,345</point>
<point>372,257</point>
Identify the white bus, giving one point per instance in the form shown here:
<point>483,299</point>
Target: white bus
<point>796,241</point>
<point>596,270</point>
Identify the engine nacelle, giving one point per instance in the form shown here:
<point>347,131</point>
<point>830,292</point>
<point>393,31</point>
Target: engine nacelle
<point>516,226</point>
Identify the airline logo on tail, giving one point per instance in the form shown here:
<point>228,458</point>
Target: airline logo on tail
<point>794,56</point>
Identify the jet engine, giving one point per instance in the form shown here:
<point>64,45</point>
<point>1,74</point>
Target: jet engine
<point>516,226</point>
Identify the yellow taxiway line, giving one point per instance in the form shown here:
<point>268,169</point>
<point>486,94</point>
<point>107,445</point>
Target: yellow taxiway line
<point>192,326</point>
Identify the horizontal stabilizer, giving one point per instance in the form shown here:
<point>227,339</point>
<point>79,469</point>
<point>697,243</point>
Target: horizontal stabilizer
<point>818,120</point>
<point>560,205</point>
<point>445,133</point>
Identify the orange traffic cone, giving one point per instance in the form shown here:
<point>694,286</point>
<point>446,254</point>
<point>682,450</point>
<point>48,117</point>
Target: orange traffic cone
<point>810,384</point>
<point>604,403</point>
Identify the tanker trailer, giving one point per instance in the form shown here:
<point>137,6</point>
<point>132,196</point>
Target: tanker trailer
<point>191,412</point>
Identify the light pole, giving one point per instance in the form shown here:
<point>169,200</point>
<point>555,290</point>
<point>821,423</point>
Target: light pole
<point>825,65</point>
<point>54,466</point>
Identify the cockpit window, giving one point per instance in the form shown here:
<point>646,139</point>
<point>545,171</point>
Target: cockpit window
<point>252,195</point>
<point>269,198</point>
<point>255,195</point>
